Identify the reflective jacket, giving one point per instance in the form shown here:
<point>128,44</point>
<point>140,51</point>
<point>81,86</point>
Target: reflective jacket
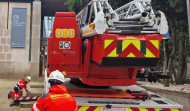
<point>57,99</point>
<point>22,84</point>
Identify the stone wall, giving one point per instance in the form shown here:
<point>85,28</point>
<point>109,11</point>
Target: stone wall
<point>36,29</point>
<point>14,62</point>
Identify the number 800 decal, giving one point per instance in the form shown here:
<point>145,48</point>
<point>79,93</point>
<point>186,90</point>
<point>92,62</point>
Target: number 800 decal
<point>65,33</point>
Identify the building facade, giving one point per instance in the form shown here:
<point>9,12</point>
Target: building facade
<point>20,31</point>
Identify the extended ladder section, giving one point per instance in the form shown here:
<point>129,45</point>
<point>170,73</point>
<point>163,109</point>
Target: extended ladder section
<point>136,17</point>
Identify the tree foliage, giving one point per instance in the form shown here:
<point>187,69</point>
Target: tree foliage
<point>176,57</point>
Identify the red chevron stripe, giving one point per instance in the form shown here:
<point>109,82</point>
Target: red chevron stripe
<point>135,109</point>
<point>151,109</point>
<point>152,49</point>
<point>78,107</point>
<point>110,48</point>
<point>91,108</point>
<point>129,49</point>
<point>166,109</point>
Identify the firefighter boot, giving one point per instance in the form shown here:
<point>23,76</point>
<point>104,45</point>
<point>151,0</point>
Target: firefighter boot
<point>15,103</point>
<point>9,94</point>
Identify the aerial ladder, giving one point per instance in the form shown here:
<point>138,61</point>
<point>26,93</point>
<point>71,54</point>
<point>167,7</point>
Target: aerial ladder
<point>136,17</point>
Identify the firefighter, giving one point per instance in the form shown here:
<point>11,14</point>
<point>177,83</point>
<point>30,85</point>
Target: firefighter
<point>20,85</point>
<point>58,98</point>
<point>18,89</point>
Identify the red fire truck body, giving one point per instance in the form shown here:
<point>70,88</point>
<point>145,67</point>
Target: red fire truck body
<point>100,60</point>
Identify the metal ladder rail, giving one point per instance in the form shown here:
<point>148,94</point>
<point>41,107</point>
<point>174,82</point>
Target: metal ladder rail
<point>123,11</point>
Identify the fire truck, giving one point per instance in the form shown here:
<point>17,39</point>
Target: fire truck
<point>103,49</point>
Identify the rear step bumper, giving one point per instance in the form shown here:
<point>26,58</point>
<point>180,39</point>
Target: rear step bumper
<point>130,62</point>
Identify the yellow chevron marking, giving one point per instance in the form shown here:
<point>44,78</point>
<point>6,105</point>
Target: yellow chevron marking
<point>174,109</point>
<point>155,43</point>
<point>107,43</point>
<point>142,109</point>
<point>129,109</point>
<point>131,55</point>
<point>98,109</point>
<point>158,109</point>
<point>113,53</point>
<point>126,43</point>
<point>137,44</point>
<point>149,54</point>
<point>83,108</point>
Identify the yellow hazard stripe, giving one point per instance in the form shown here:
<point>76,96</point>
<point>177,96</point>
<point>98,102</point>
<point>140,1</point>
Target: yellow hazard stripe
<point>149,53</point>
<point>155,43</point>
<point>98,109</point>
<point>174,109</point>
<point>131,55</point>
<point>136,43</point>
<point>113,53</point>
<point>107,43</point>
<point>126,43</point>
<point>129,109</point>
<point>86,32</point>
<point>85,108</point>
<point>143,109</point>
<point>158,109</point>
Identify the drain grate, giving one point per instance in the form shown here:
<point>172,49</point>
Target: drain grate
<point>159,102</point>
<point>156,96</point>
<point>106,102</point>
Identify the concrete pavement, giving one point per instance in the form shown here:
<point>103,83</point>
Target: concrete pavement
<point>6,86</point>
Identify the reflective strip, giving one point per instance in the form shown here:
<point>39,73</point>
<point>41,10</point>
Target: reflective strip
<point>158,109</point>
<point>137,44</point>
<point>149,54</point>
<point>34,97</point>
<point>129,109</point>
<point>21,98</point>
<point>27,98</point>
<point>17,86</point>
<point>107,43</point>
<point>151,49</point>
<point>131,55</point>
<point>86,32</point>
<point>174,109</point>
<point>126,43</point>
<point>90,108</point>
<point>83,108</point>
<point>155,43</point>
<point>113,53</point>
<point>98,109</point>
<point>35,108</point>
<point>153,17</point>
<point>143,109</point>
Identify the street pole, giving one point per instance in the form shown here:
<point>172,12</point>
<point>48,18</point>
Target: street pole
<point>188,14</point>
